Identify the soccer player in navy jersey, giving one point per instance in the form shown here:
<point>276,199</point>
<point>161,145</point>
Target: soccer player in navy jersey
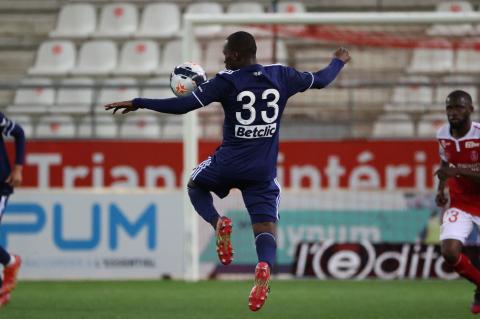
<point>9,178</point>
<point>253,97</point>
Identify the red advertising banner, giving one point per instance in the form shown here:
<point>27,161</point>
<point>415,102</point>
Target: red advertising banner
<point>353,164</point>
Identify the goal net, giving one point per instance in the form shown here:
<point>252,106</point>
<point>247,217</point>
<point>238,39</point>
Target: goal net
<point>357,159</point>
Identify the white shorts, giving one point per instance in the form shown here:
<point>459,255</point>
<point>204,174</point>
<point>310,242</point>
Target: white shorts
<point>457,224</point>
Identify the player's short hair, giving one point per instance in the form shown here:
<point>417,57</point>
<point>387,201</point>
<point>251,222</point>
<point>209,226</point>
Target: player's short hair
<point>243,43</point>
<point>459,94</point>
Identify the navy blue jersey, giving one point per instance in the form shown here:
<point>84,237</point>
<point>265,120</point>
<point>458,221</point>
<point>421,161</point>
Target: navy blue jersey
<point>9,128</point>
<point>253,99</point>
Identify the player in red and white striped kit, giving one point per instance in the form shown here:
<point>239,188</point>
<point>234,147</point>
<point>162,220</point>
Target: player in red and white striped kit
<point>459,143</point>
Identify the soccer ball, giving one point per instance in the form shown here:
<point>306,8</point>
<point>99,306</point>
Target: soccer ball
<point>186,77</point>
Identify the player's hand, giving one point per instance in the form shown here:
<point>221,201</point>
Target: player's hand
<point>441,199</point>
<point>15,177</point>
<point>342,54</point>
<point>126,106</point>
<point>445,173</point>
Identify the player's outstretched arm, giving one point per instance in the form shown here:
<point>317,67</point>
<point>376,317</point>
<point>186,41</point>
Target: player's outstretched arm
<point>325,76</point>
<point>175,105</point>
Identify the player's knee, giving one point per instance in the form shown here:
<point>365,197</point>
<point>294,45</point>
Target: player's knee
<point>264,227</point>
<point>451,253</point>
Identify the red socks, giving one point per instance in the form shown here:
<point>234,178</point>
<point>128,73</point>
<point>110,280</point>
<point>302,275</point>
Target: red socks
<point>468,271</point>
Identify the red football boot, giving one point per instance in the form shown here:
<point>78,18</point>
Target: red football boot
<point>475,308</point>
<point>260,290</point>
<point>10,275</point>
<point>4,299</point>
<point>224,244</point>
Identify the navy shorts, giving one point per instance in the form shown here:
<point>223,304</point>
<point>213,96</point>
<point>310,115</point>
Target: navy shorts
<point>262,198</point>
<point>3,205</point>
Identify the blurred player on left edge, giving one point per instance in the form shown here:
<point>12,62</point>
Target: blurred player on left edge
<point>8,180</point>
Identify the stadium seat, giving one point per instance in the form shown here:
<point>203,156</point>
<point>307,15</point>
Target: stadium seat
<point>468,58</point>
<point>160,20</point>
<point>265,52</point>
<point>76,20</point>
<point>140,125</point>
<point>413,94</point>
<point>456,29</point>
<point>115,94</point>
<point>393,125</point>
<point>74,100</point>
<point>117,20</point>
<point>25,122</point>
<point>96,58</point>
<point>206,7</point>
<point>432,57</point>
<point>55,126</point>
<point>214,58</point>
<point>104,126</point>
<point>429,124</point>
<point>449,84</point>
<point>35,99</point>
<point>162,91</point>
<point>172,56</point>
<point>246,8</point>
<point>138,57</point>
<point>172,127</point>
<point>291,7</point>
<point>54,58</point>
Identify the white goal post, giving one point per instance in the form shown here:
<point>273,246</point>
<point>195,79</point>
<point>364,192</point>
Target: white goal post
<point>190,126</point>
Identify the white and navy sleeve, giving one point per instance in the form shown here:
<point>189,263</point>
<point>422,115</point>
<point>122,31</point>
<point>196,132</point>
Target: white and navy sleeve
<point>206,93</point>
<point>10,128</point>
<point>301,81</point>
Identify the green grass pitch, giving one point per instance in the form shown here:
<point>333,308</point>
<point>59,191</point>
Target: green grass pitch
<point>228,299</point>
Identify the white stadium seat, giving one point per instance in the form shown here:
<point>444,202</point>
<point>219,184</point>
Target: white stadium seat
<point>160,20</point>
<point>265,52</point>
<point>140,125</point>
<point>104,126</point>
<point>76,20</point>
<point>206,7</point>
<point>172,56</point>
<point>117,20</point>
<point>246,8</point>
<point>55,126</point>
<point>413,94</point>
<point>25,122</point>
<point>448,84</point>
<point>172,127</point>
<point>96,58</point>
<point>393,125</point>
<point>35,99</point>
<point>432,56</point>
<point>115,94</point>
<point>291,7</point>
<point>74,100</point>
<point>54,58</point>
<point>429,124</point>
<point>455,29</point>
<point>214,58</point>
<point>162,91</point>
<point>138,57</point>
<point>468,58</point>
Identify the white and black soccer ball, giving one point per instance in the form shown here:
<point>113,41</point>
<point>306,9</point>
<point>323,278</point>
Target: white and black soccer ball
<point>186,77</point>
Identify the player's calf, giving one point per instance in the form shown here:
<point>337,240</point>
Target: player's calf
<point>224,244</point>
